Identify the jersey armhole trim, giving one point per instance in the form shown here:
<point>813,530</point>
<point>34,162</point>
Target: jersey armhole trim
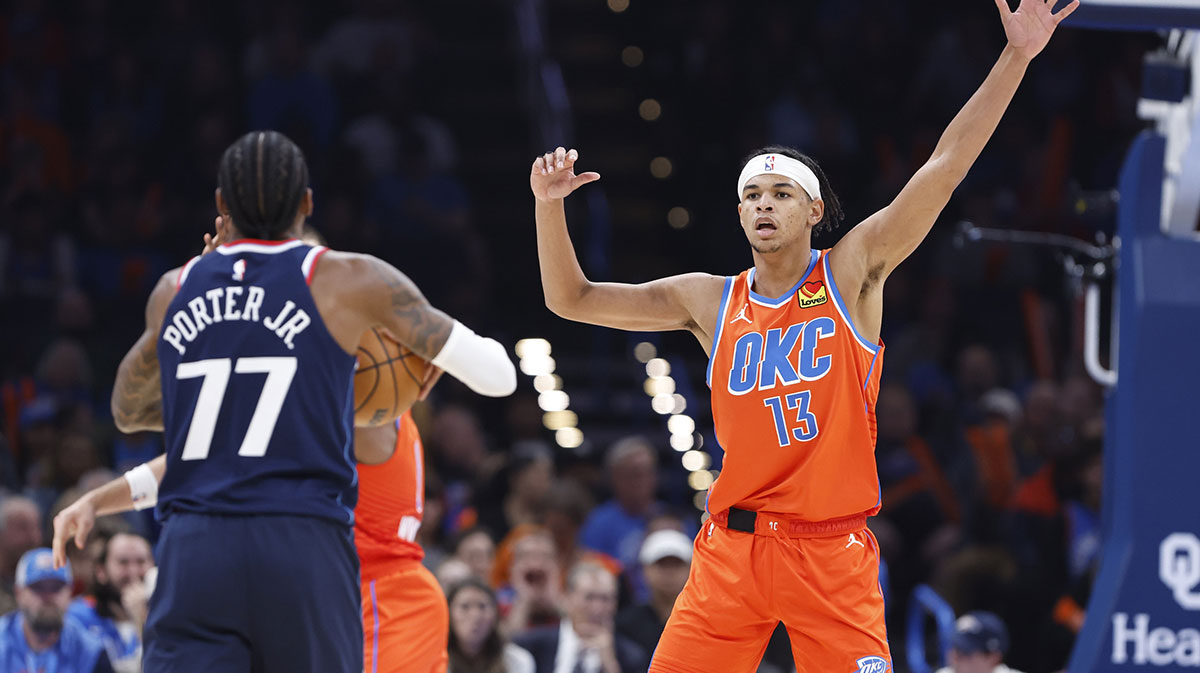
<point>183,273</point>
<point>721,311</point>
<point>840,305</point>
<point>309,265</point>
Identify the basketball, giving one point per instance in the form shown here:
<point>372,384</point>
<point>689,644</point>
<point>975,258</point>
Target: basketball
<point>387,379</point>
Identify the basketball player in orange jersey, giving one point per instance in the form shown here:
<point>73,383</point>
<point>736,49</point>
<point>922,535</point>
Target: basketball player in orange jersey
<point>405,618</point>
<point>794,360</point>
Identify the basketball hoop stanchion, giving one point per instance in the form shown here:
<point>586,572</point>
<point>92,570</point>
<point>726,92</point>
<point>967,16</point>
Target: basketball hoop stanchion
<point>1086,265</point>
<point>926,601</point>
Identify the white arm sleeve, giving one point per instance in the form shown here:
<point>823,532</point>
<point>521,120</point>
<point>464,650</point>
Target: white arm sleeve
<point>479,362</point>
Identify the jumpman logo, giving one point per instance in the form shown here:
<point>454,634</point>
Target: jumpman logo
<point>854,540</point>
<point>742,316</point>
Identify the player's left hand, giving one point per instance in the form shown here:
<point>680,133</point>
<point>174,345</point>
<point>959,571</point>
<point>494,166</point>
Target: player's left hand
<point>213,240</point>
<point>76,521</point>
<point>1029,28</point>
<point>432,374</point>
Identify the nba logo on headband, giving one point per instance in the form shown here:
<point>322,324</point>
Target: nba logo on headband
<point>769,163</point>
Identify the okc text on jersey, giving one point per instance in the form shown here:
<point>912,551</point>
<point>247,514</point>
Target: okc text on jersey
<point>227,305</point>
<point>760,361</point>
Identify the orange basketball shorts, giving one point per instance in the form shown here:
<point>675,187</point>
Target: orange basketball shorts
<point>823,586</point>
<point>405,622</point>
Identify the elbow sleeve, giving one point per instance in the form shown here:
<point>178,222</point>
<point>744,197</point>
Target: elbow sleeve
<point>479,362</point>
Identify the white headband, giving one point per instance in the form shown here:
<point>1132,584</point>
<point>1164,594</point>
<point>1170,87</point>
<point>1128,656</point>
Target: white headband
<point>778,164</point>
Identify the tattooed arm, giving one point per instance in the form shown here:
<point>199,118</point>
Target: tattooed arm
<point>137,393</point>
<point>398,306</point>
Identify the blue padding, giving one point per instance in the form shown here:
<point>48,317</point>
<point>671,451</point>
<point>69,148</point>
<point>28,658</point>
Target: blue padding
<point>924,601</point>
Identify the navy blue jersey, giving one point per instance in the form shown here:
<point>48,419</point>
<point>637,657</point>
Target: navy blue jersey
<point>258,404</point>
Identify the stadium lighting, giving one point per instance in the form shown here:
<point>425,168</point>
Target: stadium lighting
<point>681,425</point>
<point>695,460</point>
<point>700,480</point>
<point>662,404</point>
<point>546,382</point>
<point>658,367</point>
<point>632,56</point>
<point>554,400</point>
<point>557,420</point>
<point>531,347</point>
<point>568,438</point>
<point>645,352</point>
<point>683,442</point>
<point>650,110</point>
<point>534,365</point>
<point>680,403</point>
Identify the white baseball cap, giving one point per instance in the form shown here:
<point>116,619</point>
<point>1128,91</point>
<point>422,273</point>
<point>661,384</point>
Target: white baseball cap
<point>663,544</point>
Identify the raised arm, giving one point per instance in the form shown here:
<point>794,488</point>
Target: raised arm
<point>137,393</point>
<point>676,302</point>
<point>869,252</point>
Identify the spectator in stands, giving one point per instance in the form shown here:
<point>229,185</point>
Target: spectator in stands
<point>37,637</point>
<point>476,548</point>
<point>476,642</point>
<point>978,645</point>
<point>520,488</point>
<point>585,640</point>
<point>528,569</point>
<point>666,558</point>
<point>617,527</point>
<point>116,609</point>
<point>20,531</point>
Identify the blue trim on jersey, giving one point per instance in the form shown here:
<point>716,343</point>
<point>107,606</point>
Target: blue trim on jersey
<point>782,299</point>
<point>712,353</point>
<point>870,370</point>
<point>375,635</point>
<point>841,308</point>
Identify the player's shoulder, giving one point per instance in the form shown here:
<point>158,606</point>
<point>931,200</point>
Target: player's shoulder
<point>697,285</point>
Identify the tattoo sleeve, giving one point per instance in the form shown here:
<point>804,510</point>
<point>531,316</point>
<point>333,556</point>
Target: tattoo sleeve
<point>414,321</point>
<point>137,392</point>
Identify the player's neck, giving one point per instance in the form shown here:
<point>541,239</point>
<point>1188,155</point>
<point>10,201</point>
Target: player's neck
<point>236,234</point>
<point>777,272</point>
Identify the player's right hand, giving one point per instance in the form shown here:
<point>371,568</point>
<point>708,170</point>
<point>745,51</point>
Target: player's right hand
<point>75,521</point>
<point>553,175</point>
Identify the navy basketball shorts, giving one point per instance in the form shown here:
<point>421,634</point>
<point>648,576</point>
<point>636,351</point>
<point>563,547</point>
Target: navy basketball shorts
<point>261,594</point>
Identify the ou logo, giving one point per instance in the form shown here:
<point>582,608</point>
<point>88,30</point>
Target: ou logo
<point>1179,567</point>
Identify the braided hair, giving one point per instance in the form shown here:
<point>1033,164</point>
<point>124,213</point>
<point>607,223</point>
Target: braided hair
<point>263,178</point>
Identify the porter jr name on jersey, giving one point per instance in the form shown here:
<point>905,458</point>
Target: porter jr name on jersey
<point>226,304</point>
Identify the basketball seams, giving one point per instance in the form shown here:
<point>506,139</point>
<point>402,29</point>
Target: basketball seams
<point>395,384</point>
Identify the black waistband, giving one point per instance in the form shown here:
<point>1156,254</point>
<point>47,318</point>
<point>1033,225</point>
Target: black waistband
<point>741,519</point>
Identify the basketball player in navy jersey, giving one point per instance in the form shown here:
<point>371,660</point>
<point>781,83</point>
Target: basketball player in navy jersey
<point>246,366</point>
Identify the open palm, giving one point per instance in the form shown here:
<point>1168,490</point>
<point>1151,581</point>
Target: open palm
<point>1029,28</point>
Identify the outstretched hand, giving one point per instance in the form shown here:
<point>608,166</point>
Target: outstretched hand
<point>1029,28</point>
<point>553,175</point>
<point>74,522</point>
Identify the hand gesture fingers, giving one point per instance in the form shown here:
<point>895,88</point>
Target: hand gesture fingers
<point>553,177</point>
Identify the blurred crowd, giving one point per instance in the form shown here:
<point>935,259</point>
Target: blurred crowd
<point>113,116</point>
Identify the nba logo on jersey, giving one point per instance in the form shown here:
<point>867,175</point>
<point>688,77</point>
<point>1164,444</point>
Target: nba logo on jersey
<point>873,665</point>
<point>769,163</point>
<point>239,269</point>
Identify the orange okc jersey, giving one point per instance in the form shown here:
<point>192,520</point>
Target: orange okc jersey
<point>391,497</point>
<point>793,398</point>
